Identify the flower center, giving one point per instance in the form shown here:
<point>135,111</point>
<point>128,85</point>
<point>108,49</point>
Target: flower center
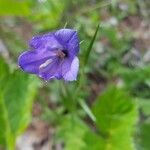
<point>61,54</point>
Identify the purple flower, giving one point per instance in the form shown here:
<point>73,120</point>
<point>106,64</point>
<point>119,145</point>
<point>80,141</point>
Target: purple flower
<point>52,55</point>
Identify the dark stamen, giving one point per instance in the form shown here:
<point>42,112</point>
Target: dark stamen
<point>61,53</point>
<point>65,52</point>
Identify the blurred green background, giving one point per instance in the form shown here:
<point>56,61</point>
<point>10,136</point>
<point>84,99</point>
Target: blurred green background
<point>108,107</point>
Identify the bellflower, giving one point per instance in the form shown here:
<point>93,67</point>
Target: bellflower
<point>52,55</point>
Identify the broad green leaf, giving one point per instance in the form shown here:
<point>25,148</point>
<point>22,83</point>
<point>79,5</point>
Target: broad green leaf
<point>87,54</point>
<point>4,70</point>
<point>144,136</point>
<point>16,98</point>
<point>71,131</point>
<point>4,126</point>
<point>14,7</point>
<point>116,115</point>
<point>93,141</point>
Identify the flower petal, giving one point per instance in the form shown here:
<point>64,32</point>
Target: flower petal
<point>73,71</point>
<point>73,45</point>
<point>51,70</point>
<point>64,35</point>
<point>69,39</point>
<point>30,60</point>
<point>46,40</point>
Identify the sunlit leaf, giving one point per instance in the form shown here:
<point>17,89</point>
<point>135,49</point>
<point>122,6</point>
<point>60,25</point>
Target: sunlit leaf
<point>116,116</point>
<point>71,131</point>
<point>16,98</point>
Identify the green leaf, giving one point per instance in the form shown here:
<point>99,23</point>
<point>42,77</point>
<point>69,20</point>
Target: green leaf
<point>4,72</point>
<point>14,7</point>
<point>4,126</point>
<point>87,54</point>
<point>87,110</point>
<point>93,141</point>
<point>71,131</point>
<point>144,105</point>
<point>141,83</point>
<point>16,99</point>
<point>144,136</point>
<point>48,14</point>
<point>141,74</point>
<point>116,115</point>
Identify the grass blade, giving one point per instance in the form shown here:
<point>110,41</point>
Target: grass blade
<point>87,110</point>
<point>90,46</point>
